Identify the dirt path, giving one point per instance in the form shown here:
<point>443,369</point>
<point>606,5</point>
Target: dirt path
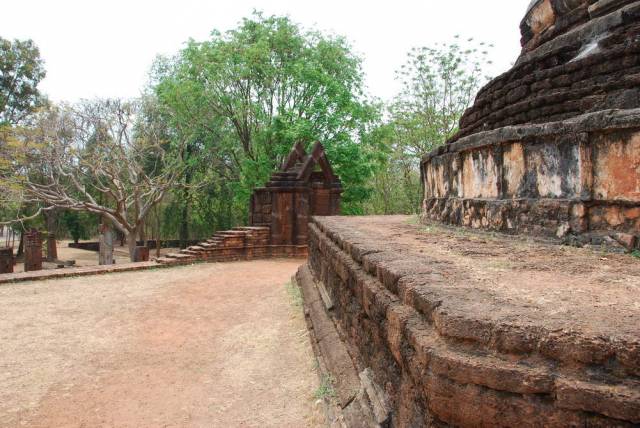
<point>207,345</point>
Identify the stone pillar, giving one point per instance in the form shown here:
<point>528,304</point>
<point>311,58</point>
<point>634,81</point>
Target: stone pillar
<point>6,260</point>
<point>105,256</point>
<point>32,251</point>
<point>52,248</point>
<point>141,254</point>
<point>301,217</point>
<point>282,217</point>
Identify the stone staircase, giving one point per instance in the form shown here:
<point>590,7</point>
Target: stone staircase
<point>240,243</point>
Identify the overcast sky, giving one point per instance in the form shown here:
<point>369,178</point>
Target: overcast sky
<point>105,48</point>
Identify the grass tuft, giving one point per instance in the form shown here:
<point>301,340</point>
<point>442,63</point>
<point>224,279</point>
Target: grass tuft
<point>636,254</point>
<point>326,390</point>
<point>294,294</point>
<point>414,220</point>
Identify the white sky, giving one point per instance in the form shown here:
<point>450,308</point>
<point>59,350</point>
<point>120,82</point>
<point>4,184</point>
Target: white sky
<point>105,47</point>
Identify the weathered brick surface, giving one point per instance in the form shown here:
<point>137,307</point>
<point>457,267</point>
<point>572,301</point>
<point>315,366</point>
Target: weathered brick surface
<point>32,251</point>
<point>6,260</point>
<point>559,78</point>
<point>552,146</point>
<point>451,348</point>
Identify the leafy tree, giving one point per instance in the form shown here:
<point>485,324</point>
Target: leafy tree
<point>21,69</point>
<point>246,96</point>
<point>94,157</point>
<point>78,224</point>
<point>438,84</point>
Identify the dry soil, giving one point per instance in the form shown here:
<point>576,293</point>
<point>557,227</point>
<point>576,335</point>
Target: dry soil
<point>216,345</point>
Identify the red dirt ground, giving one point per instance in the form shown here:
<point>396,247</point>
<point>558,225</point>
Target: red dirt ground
<point>205,345</point>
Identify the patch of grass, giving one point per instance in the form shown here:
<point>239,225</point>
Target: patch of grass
<point>427,229</point>
<point>414,219</point>
<point>500,264</point>
<point>294,294</point>
<point>325,390</point>
<point>636,254</point>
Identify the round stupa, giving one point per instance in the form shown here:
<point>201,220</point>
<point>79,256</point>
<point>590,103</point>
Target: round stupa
<point>552,147</point>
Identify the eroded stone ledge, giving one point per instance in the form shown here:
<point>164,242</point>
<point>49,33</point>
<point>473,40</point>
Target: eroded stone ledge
<point>457,337</point>
<point>575,179</point>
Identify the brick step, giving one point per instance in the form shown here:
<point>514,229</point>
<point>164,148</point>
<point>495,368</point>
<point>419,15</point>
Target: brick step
<point>229,233</point>
<point>191,252</point>
<point>252,230</point>
<point>179,256</point>
<point>167,261</point>
<point>234,237</point>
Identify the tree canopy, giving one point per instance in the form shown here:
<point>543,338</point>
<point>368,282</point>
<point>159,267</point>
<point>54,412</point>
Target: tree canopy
<point>249,94</point>
<point>438,83</point>
<point>21,70</point>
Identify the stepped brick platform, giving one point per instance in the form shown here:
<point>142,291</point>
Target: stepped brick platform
<point>552,147</point>
<point>467,328</point>
<point>279,213</point>
<point>240,243</point>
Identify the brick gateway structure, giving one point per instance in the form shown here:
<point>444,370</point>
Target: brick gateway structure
<point>279,213</point>
<point>442,327</point>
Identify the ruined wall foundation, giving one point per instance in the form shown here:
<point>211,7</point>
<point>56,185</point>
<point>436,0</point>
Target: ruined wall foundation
<point>453,345</point>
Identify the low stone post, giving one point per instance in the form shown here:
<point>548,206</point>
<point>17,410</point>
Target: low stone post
<point>141,254</point>
<point>6,260</point>
<point>32,251</point>
<point>105,255</point>
<point>52,248</point>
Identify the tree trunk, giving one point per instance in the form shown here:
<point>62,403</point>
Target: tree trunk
<point>142,233</point>
<point>158,243</point>
<point>21,245</point>
<point>184,225</point>
<point>131,242</point>
<point>186,200</point>
<point>50,219</point>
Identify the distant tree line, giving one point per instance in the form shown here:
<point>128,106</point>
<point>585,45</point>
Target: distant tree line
<point>215,121</point>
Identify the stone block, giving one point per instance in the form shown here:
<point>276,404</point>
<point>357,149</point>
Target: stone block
<point>6,260</point>
<point>617,168</point>
<point>32,251</point>
<point>141,254</point>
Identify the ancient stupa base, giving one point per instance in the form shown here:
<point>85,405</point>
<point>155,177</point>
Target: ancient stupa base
<point>576,180</point>
<point>437,326</point>
<point>552,147</point>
